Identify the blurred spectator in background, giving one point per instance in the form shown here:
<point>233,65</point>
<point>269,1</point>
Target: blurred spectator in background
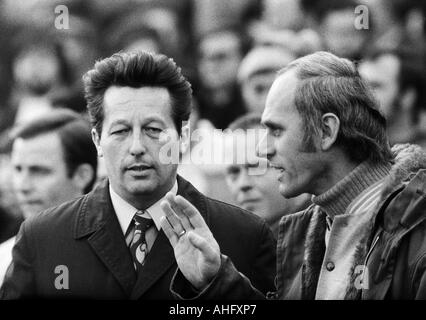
<point>157,26</point>
<point>218,95</point>
<point>257,190</point>
<point>336,20</point>
<point>398,23</point>
<point>54,160</point>
<point>397,78</point>
<point>256,73</point>
<point>284,14</point>
<point>285,23</point>
<point>129,35</point>
<point>39,69</point>
<point>210,15</point>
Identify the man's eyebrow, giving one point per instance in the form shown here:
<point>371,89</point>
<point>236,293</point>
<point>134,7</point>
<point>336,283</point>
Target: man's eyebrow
<point>119,121</point>
<point>271,125</point>
<point>232,168</point>
<point>154,119</point>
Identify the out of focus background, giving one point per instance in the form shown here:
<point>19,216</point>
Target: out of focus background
<point>230,51</point>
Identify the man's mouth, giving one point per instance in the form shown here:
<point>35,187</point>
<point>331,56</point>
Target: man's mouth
<point>249,201</point>
<point>31,202</point>
<point>138,167</point>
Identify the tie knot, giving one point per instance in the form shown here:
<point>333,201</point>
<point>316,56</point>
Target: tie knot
<point>141,222</point>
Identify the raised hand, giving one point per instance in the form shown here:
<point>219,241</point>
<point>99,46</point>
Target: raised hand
<point>196,250</point>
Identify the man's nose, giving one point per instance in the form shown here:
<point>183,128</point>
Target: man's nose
<point>137,146</point>
<point>244,181</point>
<point>22,182</point>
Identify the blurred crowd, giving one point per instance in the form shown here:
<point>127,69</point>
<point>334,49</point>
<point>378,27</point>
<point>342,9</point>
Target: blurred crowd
<point>229,50</point>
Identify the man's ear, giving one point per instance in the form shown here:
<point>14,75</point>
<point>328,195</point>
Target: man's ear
<point>82,176</point>
<point>184,138</point>
<point>96,141</point>
<point>330,130</point>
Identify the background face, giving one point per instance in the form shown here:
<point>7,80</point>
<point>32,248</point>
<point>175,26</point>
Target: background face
<point>130,142</point>
<point>220,58</point>
<point>340,35</point>
<point>256,193</point>
<point>255,89</point>
<point>37,70</point>
<point>39,174</point>
<point>382,76</point>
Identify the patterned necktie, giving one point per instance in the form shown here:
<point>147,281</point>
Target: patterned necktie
<point>138,246</point>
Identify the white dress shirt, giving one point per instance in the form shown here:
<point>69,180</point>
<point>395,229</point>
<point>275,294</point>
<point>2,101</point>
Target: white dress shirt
<point>125,213</point>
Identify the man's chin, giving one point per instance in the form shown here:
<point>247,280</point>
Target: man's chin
<point>287,192</point>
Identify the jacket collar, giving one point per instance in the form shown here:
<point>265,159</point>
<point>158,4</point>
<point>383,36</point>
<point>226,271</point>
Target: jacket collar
<point>405,182</point>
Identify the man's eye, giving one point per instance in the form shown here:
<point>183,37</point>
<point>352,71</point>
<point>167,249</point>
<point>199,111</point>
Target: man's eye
<point>275,132</point>
<point>120,131</point>
<point>153,132</point>
<point>233,172</point>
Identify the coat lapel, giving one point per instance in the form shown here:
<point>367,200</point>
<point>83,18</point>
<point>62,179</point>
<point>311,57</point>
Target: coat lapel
<point>98,222</point>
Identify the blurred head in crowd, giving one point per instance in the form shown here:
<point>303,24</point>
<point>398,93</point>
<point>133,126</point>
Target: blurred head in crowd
<point>137,103</point>
<point>131,33</point>
<point>398,83</point>
<point>337,26</point>
<point>220,53</point>
<point>79,45</point>
<point>38,68</point>
<point>321,120</point>
<point>39,71</point>
<point>256,73</point>
<point>53,159</point>
<point>283,14</point>
<point>256,190</point>
<point>165,22</point>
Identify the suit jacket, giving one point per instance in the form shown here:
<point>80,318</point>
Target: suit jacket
<point>77,250</point>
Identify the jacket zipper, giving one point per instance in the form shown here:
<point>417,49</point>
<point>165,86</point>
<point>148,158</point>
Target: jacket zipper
<point>369,252</point>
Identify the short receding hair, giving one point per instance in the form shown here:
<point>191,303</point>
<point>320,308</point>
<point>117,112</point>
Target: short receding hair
<point>328,83</point>
<point>74,134</point>
<point>136,70</point>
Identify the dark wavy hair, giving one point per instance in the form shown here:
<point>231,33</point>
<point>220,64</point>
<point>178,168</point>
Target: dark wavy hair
<point>136,70</point>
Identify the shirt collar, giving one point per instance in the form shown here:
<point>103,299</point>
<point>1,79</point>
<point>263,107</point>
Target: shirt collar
<point>125,211</point>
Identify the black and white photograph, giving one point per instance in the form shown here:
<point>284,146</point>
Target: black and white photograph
<point>216,155</point>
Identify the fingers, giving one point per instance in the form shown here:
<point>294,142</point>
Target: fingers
<point>168,230</point>
<point>171,217</point>
<point>186,224</point>
<point>194,217</point>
